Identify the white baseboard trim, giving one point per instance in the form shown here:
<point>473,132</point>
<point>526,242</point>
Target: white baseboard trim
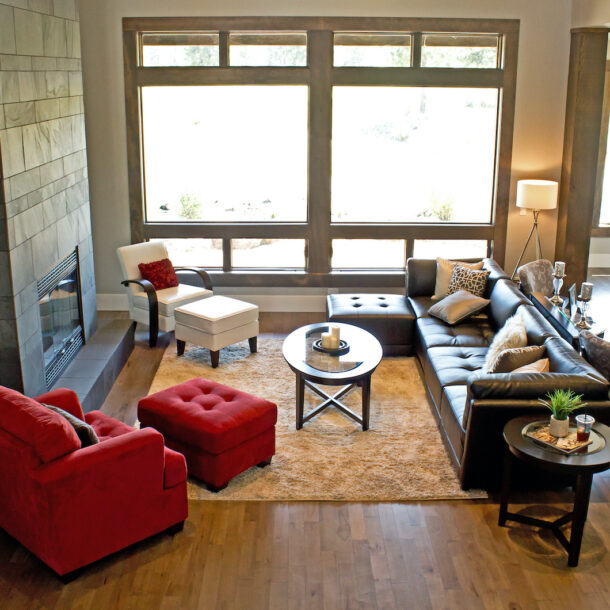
<point>265,302</point>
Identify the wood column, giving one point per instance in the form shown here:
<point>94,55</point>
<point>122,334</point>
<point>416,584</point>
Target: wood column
<point>580,149</point>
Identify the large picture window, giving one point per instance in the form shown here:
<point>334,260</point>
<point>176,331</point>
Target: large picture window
<point>302,151</point>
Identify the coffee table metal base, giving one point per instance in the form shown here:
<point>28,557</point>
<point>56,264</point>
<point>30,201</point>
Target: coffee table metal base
<point>333,401</point>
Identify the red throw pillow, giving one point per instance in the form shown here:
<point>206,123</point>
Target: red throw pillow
<point>160,274</point>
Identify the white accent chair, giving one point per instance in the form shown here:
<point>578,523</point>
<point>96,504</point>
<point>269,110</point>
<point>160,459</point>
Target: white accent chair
<point>156,307</point>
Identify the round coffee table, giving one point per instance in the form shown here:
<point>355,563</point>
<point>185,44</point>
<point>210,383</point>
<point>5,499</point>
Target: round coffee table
<point>584,464</point>
<point>349,370</point>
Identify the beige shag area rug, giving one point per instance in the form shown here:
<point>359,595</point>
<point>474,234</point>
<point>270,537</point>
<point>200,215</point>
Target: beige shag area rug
<point>401,457</point>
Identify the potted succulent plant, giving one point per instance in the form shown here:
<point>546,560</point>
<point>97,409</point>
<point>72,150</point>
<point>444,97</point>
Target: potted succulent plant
<point>561,403</point>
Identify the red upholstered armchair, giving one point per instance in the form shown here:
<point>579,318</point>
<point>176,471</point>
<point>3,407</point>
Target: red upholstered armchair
<point>70,505</point>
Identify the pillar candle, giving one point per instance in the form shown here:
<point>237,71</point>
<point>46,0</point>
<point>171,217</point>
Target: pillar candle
<point>586,290</point>
<point>560,268</point>
<point>326,340</point>
<point>334,330</point>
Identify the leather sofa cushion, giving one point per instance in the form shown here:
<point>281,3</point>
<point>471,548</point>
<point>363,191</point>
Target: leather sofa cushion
<point>476,332</point>
<point>453,405</point>
<point>452,366</point>
<point>386,316</point>
<point>48,433</point>
<point>505,299</point>
<point>207,415</point>
<point>420,305</point>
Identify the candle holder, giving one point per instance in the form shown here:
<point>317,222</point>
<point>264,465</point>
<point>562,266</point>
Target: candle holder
<point>557,284</point>
<point>583,323</point>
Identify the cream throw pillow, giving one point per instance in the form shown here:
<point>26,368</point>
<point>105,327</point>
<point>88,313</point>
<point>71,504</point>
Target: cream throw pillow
<point>444,271</point>
<point>540,366</point>
<point>512,334</point>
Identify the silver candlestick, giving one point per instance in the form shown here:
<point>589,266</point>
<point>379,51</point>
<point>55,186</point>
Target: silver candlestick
<point>584,324</point>
<point>557,284</point>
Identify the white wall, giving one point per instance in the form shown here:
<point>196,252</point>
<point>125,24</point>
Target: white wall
<point>540,108</point>
<point>587,13</point>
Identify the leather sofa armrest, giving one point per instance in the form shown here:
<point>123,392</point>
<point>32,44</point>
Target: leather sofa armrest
<point>64,399</point>
<point>202,273</point>
<point>523,386</point>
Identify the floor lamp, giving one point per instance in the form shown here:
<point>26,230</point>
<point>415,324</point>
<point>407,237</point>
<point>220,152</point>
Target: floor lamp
<point>535,195</point>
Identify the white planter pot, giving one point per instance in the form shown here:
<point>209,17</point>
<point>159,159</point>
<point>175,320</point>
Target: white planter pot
<point>559,427</point>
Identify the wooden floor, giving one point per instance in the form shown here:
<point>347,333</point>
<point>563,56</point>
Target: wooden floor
<point>254,555</point>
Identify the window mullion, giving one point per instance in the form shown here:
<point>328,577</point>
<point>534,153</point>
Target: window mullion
<point>320,53</point>
<point>416,53</point>
<point>227,264</point>
<point>223,49</point>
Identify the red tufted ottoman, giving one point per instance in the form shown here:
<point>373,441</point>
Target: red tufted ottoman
<point>219,430</point>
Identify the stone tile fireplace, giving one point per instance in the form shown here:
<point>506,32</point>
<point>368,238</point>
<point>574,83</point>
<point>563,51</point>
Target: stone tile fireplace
<point>44,188</point>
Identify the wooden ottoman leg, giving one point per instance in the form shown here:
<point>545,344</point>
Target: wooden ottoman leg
<point>214,355</point>
<point>253,341</point>
<point>264,463</point>
<point>180,345</point>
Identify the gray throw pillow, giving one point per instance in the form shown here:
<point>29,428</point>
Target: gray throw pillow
<point>596,351</point>
<point>471,280</point>
<point>457,307</point>
<point>83,430</point>
<point>516,357</point>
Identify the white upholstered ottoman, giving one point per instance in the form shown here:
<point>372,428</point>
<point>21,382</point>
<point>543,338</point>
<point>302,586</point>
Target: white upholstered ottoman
<point>216,322</point>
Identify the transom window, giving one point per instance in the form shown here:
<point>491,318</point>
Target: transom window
<point>302,151</point>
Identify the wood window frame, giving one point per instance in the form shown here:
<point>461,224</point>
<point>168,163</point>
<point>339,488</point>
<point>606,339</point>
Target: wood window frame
<point>320,76</point>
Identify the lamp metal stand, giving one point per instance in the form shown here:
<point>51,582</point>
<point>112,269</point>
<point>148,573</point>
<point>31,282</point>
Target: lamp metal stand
<point>529,237</point>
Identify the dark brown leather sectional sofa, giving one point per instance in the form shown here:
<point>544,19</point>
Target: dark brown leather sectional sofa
<point>471,407</point>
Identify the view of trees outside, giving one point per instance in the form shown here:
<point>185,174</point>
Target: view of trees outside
<point>239,153</point>
<point>225,153</point>
<point>458,57</point>
<point>368,254</point>
<point>372,57</point>
<point>180,55</point>
<point>450,248</point>
<point>411,154</point>
<point>267,55</point>
<point>268,253</point>
<point>185,252</point>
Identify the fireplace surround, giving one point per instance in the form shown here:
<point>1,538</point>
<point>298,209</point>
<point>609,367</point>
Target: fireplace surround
<point>61,316</point>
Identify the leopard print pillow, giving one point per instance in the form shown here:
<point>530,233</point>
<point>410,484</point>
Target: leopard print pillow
<point>472,280</point>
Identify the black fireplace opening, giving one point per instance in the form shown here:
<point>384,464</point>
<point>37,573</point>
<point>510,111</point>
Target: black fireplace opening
<point>61,316</point>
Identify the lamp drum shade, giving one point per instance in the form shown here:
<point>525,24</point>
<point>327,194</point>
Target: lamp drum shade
<point>537,194</point>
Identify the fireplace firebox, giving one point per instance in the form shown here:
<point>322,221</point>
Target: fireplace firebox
<point>61,316</point>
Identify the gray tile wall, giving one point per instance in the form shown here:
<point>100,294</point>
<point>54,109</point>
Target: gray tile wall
<point>44,192</point>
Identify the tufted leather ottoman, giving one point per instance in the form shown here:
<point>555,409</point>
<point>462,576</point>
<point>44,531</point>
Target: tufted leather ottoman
<point>220,431</point>
<point>386,316</point>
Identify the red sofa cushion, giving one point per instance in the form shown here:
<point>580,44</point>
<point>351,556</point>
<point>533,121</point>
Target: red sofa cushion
<point>206,414</point>
<point>160,274</point>
<point>49,434</point>
<point>106,428</point>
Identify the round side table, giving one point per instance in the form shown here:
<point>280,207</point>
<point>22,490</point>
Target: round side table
<point>583,465</point>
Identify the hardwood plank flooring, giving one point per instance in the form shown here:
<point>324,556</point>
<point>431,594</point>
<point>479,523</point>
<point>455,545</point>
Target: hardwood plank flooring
<point>251,555</point>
